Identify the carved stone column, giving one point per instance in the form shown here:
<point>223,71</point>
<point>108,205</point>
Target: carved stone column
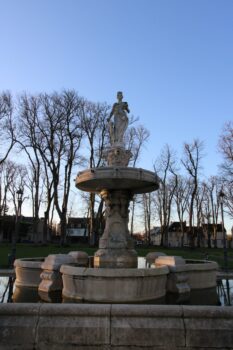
<point>116,247</point>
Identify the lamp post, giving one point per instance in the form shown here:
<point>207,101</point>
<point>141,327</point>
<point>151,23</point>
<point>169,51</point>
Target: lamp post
<point>11,257</point>
<point>208,230</point>
<point>20,201</point>
<point>18,211</point>
<point>221,197</point>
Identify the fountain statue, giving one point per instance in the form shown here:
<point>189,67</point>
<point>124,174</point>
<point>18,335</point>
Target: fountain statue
<point>118,128</point>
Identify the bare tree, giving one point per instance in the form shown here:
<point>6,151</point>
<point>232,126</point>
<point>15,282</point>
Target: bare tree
<point>18,174</point>
<point>7,126</point>
<point>193,153</point>
<point>211,207</point>
<point>147,210</point>
<point>181,196</point>
<point>60,136</point>
<point>228,197</point>
<point>7,172</point>
<point>166,169</point>
<point>226,148</point>
<point>199,200</point>
<point>136,139</point>
<point>94,124</point>
<point>28,140</point>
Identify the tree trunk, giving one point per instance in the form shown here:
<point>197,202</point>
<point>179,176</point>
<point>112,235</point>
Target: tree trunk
<point>63,228</point>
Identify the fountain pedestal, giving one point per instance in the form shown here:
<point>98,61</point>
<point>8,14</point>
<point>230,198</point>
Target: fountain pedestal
<point>116,185</point>
<point>116,247</point>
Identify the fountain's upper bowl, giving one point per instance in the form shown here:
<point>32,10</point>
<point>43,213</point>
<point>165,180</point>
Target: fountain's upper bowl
<point>135,180</point>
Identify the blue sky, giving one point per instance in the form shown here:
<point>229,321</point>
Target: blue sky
<point>173,59</point>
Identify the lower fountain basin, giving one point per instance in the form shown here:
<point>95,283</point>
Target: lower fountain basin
<point>113,285</point>
<point>201,273</point>
<point>168,275</point>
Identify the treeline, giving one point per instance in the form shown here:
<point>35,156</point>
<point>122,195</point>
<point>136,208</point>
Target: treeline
<point>54,136</point>
<point>187,196</point>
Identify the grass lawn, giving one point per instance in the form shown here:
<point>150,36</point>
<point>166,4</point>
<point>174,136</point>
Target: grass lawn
<point>30,250</point>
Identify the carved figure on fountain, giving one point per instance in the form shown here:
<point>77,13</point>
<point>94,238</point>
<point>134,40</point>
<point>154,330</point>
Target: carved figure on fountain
<point>117,155</point>
<point>118,127</point>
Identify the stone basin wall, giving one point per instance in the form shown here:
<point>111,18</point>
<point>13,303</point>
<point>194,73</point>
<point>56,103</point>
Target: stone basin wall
<point>119,327</point>
<point>28,271</point>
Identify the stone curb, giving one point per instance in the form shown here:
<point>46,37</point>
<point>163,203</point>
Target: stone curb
<point>108,326</point>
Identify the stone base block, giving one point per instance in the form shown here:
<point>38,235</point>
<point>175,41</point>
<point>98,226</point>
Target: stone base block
<point>51,279</point>
<point>18,324</point>
<point>81,258</point>
<point>147,326</point>
<point>116,258</point>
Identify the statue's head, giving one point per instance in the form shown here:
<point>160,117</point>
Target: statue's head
<point>119,95</point>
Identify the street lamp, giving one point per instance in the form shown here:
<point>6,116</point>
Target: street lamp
<point>12,255</point>
<point>221,197</point>
<point>19,194</point>
<point>20,201</point>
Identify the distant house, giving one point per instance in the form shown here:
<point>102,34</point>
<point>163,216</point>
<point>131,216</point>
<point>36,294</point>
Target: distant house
<point>139,238</point>
<point>199,236</point>
<point>155,235</point>
<point>175,235</point>
<point>77,229</point>
<point>7,227</point>
<point>25,230</point>
<point>211,230</point>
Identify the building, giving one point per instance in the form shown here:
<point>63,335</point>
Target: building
<point>155,235</point>
<point>25,229</point>
<point>203,236</point>
<point>77,229</point>
<point>180,236</point>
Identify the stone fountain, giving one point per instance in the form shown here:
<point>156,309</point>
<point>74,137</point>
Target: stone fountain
<point>116,184</point>
<point>115,276</point>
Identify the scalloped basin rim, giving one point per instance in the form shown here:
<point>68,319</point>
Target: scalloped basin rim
<point>69,269</point>
<point>28,262</point>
